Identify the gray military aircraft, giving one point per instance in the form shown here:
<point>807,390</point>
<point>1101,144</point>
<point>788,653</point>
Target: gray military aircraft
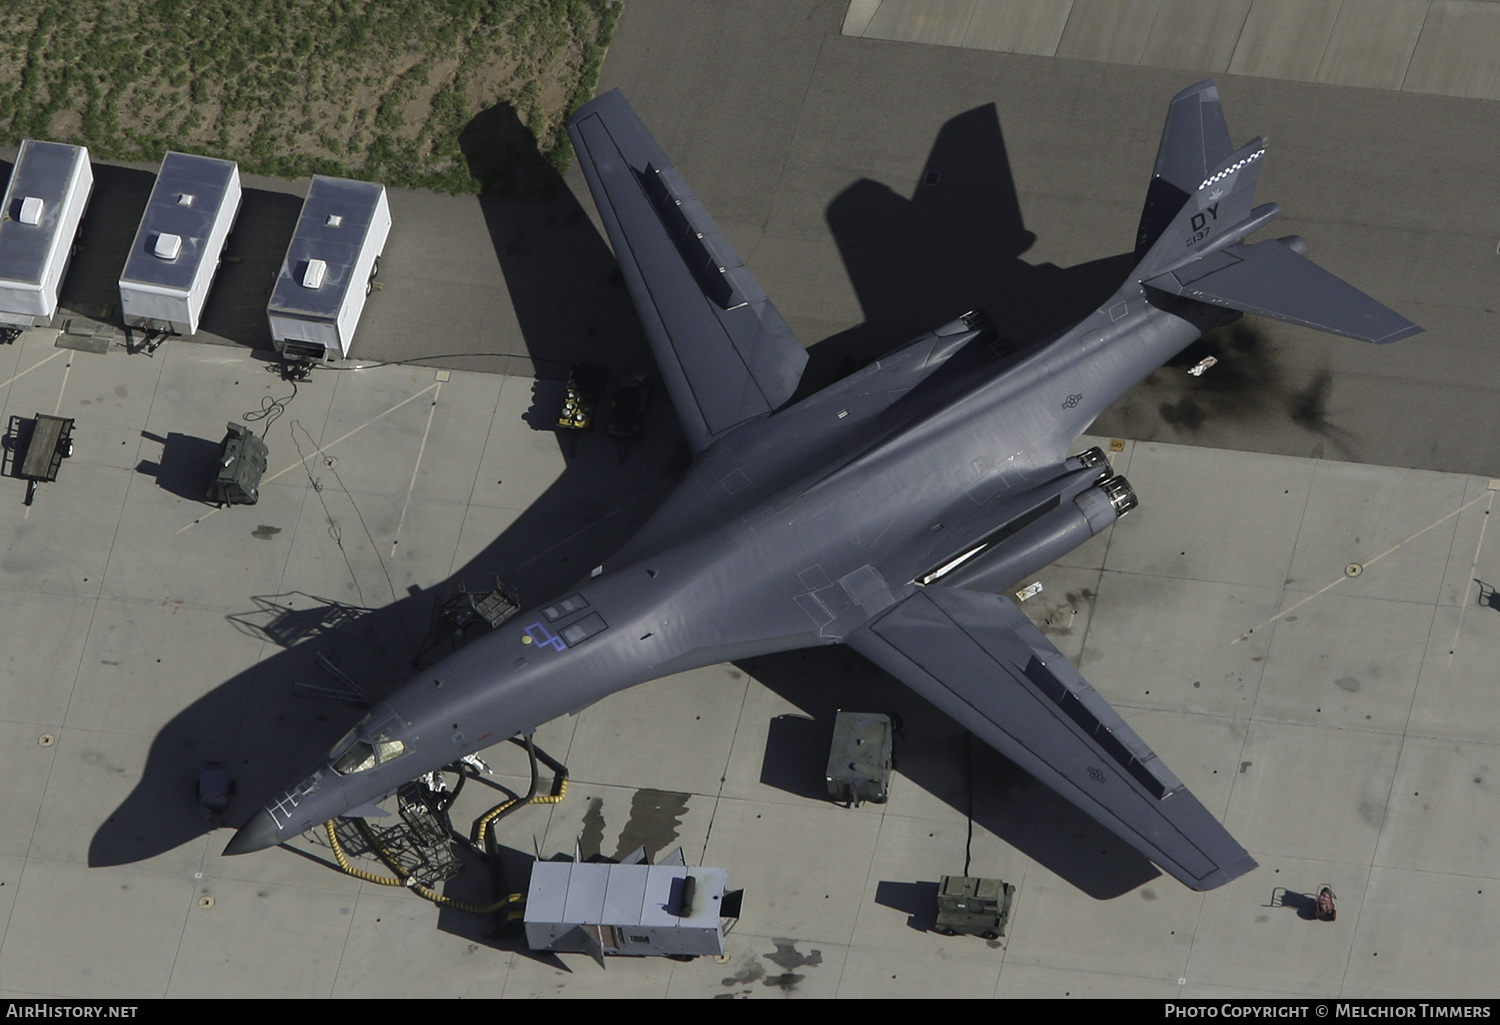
<point>887,512</point>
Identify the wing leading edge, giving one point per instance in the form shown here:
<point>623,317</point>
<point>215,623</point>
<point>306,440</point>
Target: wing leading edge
<point>724,351</point>
<point>980,660</point>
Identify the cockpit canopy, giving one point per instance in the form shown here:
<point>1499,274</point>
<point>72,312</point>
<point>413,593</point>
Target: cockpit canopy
<point>354,753</point>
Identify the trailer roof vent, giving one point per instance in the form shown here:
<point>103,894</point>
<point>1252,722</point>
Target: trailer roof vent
<point>313,276</point>
<point>167,246</point>
<point>184,199</point>
<point>31,210</point>
<point>334,220</point>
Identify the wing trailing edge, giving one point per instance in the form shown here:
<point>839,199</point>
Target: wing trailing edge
<point>980,660</point>
<point>725,353</point>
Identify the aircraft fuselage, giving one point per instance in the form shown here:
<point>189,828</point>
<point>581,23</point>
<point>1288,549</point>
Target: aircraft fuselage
<point>790,532</point>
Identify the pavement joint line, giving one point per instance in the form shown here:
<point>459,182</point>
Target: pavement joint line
<point>321,450</point>
<point>1406,70</point>
<point>1473,567</point>
<point>67,369</point>
<point>7,383</point>
<point>1368,563</point>
<point>431,412</point>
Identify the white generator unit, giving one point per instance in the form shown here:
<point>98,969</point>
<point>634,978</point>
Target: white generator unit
<point>632,910</point>
<point>180,241</point>
<point>44,205</point>
<point>329,269</point>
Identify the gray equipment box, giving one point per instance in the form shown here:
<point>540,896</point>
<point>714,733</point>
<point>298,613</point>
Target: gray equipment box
<point>44,203</point>
<point>973,906</point>
<point>859,760</point>
<point>242,461</point>
<point>177,248</point>
<point>329,268</point>
<point>630,910</point>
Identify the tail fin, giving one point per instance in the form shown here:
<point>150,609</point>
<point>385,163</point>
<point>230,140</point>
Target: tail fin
<point>1199,209</point>
<point>1193,143</point>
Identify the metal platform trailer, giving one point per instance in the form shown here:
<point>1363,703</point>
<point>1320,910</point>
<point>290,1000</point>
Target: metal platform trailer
<point>44,205</point>
<point>859,759</point>
<point>179,244</point>
<point>329,269</point>
<point>49,443</point>
<point>242,461</point>
<point>973,906</point>
<point>631,910</point>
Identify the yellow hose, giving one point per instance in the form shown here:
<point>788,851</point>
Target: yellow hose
<point>358,873</point>
<point>405,880</point>
<point>494,813</point>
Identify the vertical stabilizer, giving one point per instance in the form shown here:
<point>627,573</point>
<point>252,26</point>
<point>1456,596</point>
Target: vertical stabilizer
<point>1218,205</point>
<point>1199,210</point>
<point>1194,143</point>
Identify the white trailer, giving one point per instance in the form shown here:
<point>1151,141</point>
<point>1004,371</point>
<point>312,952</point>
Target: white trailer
<point>44,205</point>
<point>632,910</point>
<point>177,248</point>
<point>329,268</point>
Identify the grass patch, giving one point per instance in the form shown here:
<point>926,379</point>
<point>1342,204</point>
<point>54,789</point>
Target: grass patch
<point>375,89</point>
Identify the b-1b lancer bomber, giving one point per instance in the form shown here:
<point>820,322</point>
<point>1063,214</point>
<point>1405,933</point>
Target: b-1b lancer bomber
<point>887,512</point>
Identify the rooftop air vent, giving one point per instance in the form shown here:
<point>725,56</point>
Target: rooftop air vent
<point>167,246</point>
<point>31,210</point>
<point>184,199</point>
<point>334,220</point>
<point>313,276</point>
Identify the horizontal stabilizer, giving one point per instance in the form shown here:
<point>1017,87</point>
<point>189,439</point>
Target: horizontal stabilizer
<point>1273,280</point>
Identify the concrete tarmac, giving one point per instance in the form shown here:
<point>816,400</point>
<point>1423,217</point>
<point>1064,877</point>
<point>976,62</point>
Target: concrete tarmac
<point>1299,619</point>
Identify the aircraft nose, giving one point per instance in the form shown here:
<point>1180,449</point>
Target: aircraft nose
<point>256,835</point>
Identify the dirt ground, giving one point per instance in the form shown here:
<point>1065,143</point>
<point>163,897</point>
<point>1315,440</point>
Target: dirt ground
<point>385,90</point>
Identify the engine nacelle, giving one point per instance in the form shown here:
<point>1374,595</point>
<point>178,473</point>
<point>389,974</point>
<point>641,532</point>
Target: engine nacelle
<point>996,565</point>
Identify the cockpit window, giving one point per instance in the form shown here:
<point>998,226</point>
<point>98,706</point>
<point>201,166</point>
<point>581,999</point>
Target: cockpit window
<point>358,758</point>
<point>351,755</point>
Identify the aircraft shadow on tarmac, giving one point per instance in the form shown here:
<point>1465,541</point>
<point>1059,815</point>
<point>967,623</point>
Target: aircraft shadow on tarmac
<point>914,263</point>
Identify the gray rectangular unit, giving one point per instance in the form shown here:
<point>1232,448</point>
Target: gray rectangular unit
<point>860,757</point>
<point>630,910</point>
<point>329,267</point>
<point>44,205</point>
<point>178,245</point>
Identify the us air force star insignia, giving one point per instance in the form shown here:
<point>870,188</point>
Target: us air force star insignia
<point>1071,401</point>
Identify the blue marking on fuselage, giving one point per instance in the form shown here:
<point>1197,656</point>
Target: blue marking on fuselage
<point>540,636</point>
